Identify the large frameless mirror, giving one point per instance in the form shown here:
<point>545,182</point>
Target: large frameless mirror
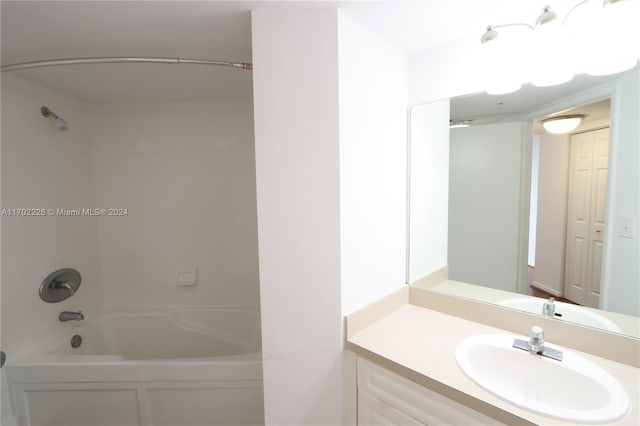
<point>533,214</point>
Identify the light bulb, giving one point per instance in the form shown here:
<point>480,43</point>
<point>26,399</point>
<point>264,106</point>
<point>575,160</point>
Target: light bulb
<point>562,124</point>
<point>504,56</point>
<point>552,53</point>
<point>615,43</point>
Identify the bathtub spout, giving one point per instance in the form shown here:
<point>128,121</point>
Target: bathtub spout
<point>71,316</point>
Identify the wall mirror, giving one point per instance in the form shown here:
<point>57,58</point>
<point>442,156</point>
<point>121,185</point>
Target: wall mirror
<point>532,214</point>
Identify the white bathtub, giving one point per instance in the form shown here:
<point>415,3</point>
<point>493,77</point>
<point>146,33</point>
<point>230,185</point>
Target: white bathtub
<point>181,367</point>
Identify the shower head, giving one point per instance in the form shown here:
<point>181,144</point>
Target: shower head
<point>61,123</point>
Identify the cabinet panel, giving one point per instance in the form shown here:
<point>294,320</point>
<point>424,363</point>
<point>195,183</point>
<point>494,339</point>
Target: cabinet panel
<point>201,406</point>
<point>373,412</point>
<point>414,400</point>
<point>89,407</point>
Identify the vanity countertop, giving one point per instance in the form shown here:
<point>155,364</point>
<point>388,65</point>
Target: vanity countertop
<point>419,343</point>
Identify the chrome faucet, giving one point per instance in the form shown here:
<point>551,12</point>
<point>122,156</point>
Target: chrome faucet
<point>536,341</point>
<point>549,308</point>
<point>71,316</point>
<point>535,345</point>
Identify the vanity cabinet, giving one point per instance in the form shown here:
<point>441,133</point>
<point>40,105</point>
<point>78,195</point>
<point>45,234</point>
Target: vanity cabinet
<point>385,398</point>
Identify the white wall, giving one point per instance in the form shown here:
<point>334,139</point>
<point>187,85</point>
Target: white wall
<point>43,168</point>
<point>373,165</point>
<point>533,199</point>
<point>186,173</point>
<point>429,191</point>
<point>295,82</point>
<point>445,71</point>
<point>434,75</point>
<point>553,181</point>
<point>621,292</point>
<point>485,201</point>
<point>331,167</point>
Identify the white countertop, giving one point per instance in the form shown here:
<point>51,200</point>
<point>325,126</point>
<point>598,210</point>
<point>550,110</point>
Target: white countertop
<point>424,341</point>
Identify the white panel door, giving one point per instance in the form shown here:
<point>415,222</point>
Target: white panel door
<point>585,216</point>
<point>596,226</point>
<point>578,216</point>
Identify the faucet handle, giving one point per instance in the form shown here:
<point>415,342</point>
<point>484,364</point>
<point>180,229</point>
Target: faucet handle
<point>536,346</point>
<point>537,333</point>
<point>536,339</point>
<point>549,307</point>
<point>64,285</point>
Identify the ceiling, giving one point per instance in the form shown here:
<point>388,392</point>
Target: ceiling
<point>204,30</point>
<point>218,30</point>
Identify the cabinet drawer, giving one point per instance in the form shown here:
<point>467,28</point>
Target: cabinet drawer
<point>373,412</point>
<point>416,401</point>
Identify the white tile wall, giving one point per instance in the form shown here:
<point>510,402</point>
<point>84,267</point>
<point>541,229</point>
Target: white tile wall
<point>43,168</point>
<point>186,173</point>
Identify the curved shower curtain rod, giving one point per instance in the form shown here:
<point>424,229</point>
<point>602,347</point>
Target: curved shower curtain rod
<point>112,60</point>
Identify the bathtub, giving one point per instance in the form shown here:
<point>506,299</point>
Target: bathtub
<point>158,366</point>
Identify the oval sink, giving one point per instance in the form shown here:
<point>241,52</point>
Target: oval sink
<point>567,312</point>
<point>573,389</point>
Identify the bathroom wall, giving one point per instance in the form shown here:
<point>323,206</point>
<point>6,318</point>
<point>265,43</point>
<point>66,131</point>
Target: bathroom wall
<point>43,168</point>
<point>533,201</point>
<point>297,168</point>
<point>621,291</point>
<point>185,172</point>
<point>445,71</point>
<point>428,203</point>
<point>553,182</point>
<point>485,201</point>
<point>310,127</point>
<point>373,165</point>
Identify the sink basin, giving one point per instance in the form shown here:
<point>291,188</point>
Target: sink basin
<point>574,389</point>
<point>567,311</point>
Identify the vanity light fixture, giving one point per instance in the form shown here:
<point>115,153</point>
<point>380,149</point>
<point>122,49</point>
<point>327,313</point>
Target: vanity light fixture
<point>503,72</point>
<point>599,35</point>
<point>551,50</point>
<point>608,35</point>
<point>562,124</point>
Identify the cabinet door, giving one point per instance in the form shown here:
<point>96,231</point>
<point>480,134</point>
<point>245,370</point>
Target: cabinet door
<point>373,412</point>
<point>409,399</point>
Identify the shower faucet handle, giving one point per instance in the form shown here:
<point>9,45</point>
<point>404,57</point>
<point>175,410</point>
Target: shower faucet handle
<point>60,285</point>
<point>65,285</point>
